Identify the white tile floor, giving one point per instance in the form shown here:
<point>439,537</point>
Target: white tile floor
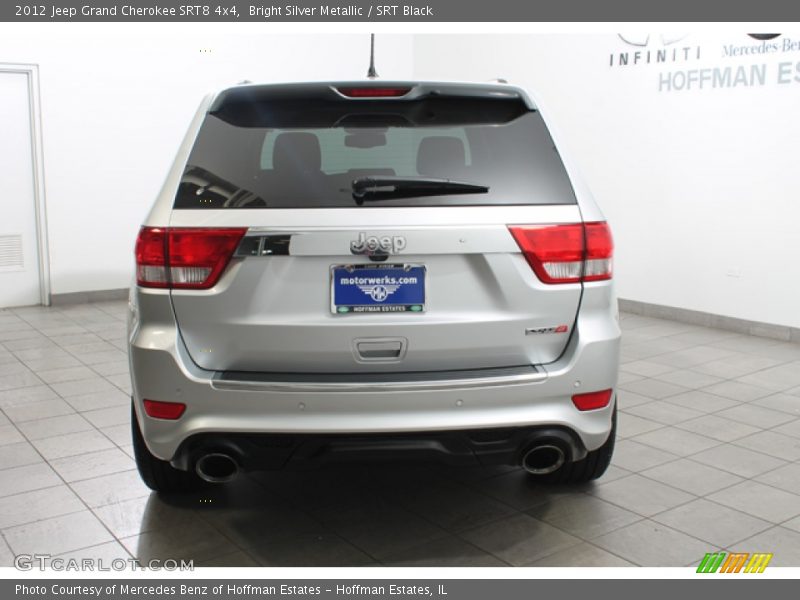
<point>708,458</point>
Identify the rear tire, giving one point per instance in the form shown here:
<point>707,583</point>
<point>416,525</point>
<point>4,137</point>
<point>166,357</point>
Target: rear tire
<point>590,468</point>
<point>157,474</point>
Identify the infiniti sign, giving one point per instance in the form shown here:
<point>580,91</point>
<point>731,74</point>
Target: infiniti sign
<point>651,39</point>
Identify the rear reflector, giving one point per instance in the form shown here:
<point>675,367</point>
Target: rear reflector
<point>184,258</point>
<point>164,410</point>
<point>567,253</point>
<point>373,92</point>
<point>592,400</point>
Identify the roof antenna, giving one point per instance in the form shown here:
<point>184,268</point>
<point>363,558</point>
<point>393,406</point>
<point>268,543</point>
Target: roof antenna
<point>372,73</point>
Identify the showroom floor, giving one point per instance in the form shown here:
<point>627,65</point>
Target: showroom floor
<point>708,458</point>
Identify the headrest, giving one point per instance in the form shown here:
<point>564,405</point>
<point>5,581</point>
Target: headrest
<point>296,151</point>
<point>441,156</point>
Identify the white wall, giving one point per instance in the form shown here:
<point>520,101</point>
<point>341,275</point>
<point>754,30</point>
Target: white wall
<point>701,187</point>
<point>116,101</point>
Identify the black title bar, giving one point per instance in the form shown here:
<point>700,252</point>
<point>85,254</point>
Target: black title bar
<point>402,10</point>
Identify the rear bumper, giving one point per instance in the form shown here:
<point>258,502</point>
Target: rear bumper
<point>323,413</point>
<point>270,451</point>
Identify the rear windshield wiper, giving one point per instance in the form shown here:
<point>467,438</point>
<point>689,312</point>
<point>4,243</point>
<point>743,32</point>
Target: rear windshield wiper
<point>370,189</point>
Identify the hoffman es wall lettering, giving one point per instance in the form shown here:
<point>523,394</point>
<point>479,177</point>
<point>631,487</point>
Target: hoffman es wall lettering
<point>671,50</point>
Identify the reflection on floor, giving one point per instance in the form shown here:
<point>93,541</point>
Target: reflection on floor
<point>708,458</point>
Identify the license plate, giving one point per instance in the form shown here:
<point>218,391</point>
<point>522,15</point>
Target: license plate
<point>377,288</point>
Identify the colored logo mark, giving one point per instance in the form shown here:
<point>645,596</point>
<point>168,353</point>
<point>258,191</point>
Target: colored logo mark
<point>735,562</point>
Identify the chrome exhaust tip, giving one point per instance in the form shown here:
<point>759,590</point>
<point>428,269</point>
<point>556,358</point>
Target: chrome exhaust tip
<point>216,467</point>
<point>543,459</point>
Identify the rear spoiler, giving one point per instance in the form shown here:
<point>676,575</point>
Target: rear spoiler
<point>365,104</point>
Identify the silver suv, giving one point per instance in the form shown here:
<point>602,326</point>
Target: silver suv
<point>372,270</point>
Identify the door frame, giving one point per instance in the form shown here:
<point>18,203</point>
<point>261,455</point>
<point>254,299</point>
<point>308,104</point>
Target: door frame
<point>31,71</point>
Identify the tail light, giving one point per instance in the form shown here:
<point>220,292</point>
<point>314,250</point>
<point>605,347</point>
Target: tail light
<point>592,400</point>
<point>567,253</point>
<point>599,252</point>
<point>164,410</point>
<point>151,257</point>
<point>373,92</point>
<point>184,258</point>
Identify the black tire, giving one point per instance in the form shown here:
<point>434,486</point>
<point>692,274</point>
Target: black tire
<point>157,474</point>
<point>590,468</point>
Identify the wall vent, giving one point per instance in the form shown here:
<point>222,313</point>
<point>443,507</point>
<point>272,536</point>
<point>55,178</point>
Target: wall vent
<point>11,251</point>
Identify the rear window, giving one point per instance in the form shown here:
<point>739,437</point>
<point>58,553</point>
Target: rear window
<point>280,159</point>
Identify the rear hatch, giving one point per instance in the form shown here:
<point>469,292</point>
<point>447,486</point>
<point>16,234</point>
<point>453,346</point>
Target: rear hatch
<point>371,228</point>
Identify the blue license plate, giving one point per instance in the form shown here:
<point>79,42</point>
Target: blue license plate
<point>377,289</point>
